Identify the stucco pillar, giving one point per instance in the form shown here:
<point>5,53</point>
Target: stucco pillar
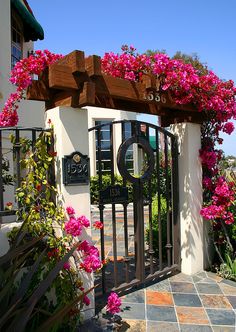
<point>190,197</point>
<point>70,135</point>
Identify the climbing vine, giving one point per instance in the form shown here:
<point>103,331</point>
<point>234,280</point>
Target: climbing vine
<point>42,215</point>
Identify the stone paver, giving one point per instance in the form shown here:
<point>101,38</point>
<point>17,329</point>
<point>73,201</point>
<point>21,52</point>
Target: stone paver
<point>200,303</point>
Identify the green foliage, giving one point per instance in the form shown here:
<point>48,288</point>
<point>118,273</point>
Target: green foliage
<point>158,218</point>
<point>192,59</point>
<point>41,215</point>
<point>23,300</point>
<point>228,269</point>
<point>6,176</point>
<point>106,181</point>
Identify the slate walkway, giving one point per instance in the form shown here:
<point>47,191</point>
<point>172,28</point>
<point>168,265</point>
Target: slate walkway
<point>201,303</point>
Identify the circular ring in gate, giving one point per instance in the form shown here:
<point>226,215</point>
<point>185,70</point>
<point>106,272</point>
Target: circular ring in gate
<point>121,160</point>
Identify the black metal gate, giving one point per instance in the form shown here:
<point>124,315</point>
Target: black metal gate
<point>139,207</point>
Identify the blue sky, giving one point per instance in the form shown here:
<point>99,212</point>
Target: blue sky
<point>203,27</point>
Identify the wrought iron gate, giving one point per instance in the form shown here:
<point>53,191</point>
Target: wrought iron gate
<point>139,207</point>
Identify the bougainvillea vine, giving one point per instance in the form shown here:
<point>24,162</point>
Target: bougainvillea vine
<point>209,94</point>
<point>21,76</point>
<point>185,83</point>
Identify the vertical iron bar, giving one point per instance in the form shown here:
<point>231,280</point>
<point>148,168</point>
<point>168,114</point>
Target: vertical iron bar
<point>159,199</point>
<point>175,215</point>
<point>126,239</point>
<point>139,231</point>
<point>135,212</point>
<point>33,139</point>
<point>101,208</point>
<point>168,244</point>
<point>52,177</point>
<point>113,210</point>
<point>1,178</point>
<point>17,147</point>
<point>149,192</point>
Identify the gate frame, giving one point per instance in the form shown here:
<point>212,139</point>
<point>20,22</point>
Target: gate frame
<point>70,122</point>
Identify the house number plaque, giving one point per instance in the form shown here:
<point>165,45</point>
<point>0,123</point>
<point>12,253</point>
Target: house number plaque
<point>75,169</point>
<point>114,194</point>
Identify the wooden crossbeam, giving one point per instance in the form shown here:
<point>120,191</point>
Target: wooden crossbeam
<point>77,81</point>
<point>38,90</point>
<point>75,60</point>
<point>87,96</point>
<point>93,66</point>
<point>60,77</point>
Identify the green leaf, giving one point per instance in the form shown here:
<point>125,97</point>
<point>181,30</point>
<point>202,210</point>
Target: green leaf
<point>20,324</point>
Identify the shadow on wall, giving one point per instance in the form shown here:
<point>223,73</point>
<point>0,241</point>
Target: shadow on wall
<point>194,231</point>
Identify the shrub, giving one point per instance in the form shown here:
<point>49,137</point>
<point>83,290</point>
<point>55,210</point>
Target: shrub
<point>106,181</point>
<point>24,305</point>
<point>43,217</point>
<point>155,224</point>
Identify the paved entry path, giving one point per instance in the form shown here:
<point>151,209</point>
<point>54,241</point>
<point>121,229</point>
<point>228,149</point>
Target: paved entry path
<point>201,303</point>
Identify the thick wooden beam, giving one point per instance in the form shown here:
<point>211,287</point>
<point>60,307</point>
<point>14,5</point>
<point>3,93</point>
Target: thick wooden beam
<point>61,77</point>
<point>87,96</point>
<point>150,81</point>
<point>75,60</point>
<point>38,91</point>
<point>75,81</point>
<point>119,88</point>
<point>171,117</point>
<point>93,66</point>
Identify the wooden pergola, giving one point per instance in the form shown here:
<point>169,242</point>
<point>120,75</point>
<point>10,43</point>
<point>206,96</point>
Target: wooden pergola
<point>77,81</point>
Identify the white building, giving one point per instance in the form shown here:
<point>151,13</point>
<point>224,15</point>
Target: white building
<point>18,31</point>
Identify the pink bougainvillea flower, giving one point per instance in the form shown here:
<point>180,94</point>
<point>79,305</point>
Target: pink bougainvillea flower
<point>70,210</point>
<point>98,225</point>
<point>66,266</point>
<point>113,303</point>
<point>83,221</point>
<point>86,300</point>
<point>228,128</point>
<point>21,76</point>
<point>91,263</point>
<point>73,227</point>
<point>84,246</point>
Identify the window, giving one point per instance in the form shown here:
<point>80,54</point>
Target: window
<point>105,147</point>
<point>129,158</point>
<point>16,40</point>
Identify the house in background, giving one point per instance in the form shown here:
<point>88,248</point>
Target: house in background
<point>19,29</point>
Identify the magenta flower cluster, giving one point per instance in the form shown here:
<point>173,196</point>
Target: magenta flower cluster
<point>74,226</point>
<point>91,261</point>
<point>222,198</point>
<point>113,303</point>
<point>21,76</point>
<point>185,83</point>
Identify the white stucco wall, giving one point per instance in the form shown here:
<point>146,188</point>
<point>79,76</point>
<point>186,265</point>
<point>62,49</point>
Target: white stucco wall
<point>190,197</point>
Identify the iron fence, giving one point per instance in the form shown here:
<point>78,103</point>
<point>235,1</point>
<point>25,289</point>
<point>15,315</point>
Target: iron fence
<point>11,144</point>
